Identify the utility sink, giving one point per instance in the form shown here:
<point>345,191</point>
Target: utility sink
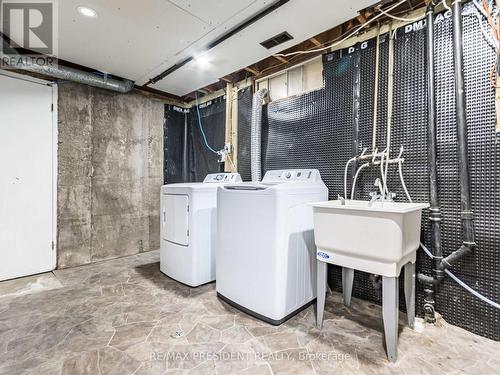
<point>376,237</point>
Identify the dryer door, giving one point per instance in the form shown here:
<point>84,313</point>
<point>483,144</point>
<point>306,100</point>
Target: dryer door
<point>175,219</point>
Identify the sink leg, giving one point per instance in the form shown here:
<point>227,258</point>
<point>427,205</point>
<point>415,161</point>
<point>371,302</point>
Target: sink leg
<point>347,281</point>
<point>321,292</point>
<point>390,313</point>
<point>410,293</point>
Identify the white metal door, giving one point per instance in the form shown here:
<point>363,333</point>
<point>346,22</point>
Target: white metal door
<point>176,214</point>
<point>26,178</point>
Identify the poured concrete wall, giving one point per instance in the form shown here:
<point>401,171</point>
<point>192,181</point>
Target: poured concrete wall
<point>110,162</point>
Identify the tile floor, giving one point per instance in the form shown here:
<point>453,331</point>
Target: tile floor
<point>120,316</point>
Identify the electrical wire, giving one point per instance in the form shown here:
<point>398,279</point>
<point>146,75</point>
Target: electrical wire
<point>358,29</point>
<point>482,9</point>
<point>478,11</point>
<point>201,126</point>
<point>462,284</point>
<point>398,18</point>
<point>491,21</point>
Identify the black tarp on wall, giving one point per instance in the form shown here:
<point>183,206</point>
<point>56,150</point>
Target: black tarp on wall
<point>324,128</point>
<point>200,160</point>
<point>173,133</point>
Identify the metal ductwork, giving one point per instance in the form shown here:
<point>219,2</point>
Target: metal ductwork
<point>256,135</point>
<point>25,63</point>
<point>75,75</point>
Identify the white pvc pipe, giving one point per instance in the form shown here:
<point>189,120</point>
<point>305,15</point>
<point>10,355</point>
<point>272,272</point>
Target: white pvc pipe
<point>375,92</point>
<point>345,176</point>
<point>356,178</point>
<point>403,181</point>
<point>382,171</point>
<point>390,92</point>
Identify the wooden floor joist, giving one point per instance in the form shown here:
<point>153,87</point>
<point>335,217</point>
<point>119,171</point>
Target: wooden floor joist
<point>282,59</point>
<point>252,70</point>
<point>274,63</point>
<point>316,42</point>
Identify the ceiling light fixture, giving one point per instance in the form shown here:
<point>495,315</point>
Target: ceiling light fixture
<point>271,8</point>
<point>87,12</point>
<point>202,61</point>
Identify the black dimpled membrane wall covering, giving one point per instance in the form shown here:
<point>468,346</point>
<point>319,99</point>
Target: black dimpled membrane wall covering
<point>322,129</point>
<point>201,161</point>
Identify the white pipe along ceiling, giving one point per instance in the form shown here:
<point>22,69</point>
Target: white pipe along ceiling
<point>139,40</point>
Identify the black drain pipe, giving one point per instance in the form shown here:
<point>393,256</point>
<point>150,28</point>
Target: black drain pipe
<point>440,264</point>
<point>463,154</point>
<point>434,211</point>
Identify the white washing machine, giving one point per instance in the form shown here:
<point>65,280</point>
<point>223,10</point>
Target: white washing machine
<point>188,228</point>
<point>266,256</point>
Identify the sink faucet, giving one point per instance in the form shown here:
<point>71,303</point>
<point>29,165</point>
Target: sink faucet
<point>382,196</point>
<point>341,199</point>
<point>378,184</point>
<point>375,196</point>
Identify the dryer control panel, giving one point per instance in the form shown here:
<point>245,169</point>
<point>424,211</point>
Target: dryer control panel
<point>222,178</point>
<point>292,175</point>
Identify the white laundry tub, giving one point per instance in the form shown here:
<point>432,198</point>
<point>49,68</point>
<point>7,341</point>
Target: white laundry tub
<point>376,237</point>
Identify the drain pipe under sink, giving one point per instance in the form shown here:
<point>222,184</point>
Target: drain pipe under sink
<point>441,264</point>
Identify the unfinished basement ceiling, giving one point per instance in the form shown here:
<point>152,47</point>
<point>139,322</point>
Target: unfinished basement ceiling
<point>139,40</point>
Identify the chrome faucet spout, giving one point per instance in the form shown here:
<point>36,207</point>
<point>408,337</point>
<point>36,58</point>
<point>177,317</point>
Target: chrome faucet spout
<point>341,199</point>
<point>375,197</point>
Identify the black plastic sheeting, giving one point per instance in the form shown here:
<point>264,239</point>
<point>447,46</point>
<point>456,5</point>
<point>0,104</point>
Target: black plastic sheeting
<point>173,133</point>
<point>323,129</point>
<point>201,161</point>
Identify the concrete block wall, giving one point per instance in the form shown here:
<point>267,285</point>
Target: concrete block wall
<point>110,170</point>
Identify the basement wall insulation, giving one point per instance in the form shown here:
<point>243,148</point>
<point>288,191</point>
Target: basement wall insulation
<point>200,160</point>
<point>322,129</point>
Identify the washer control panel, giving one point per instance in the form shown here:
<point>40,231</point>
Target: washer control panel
<point>293,175</point>
<point>222,178</point>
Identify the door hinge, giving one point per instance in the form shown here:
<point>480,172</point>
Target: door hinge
<point>188,208</point>
<point>52,107</point>
<point>53,245</point>
<point>188,232</point>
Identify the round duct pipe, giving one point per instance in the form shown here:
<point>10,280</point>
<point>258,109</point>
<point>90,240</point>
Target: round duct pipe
<point>256,135</point>
<point>79,76</point>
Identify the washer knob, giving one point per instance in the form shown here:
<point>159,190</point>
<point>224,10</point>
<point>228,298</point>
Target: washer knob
<point>288,175</point>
